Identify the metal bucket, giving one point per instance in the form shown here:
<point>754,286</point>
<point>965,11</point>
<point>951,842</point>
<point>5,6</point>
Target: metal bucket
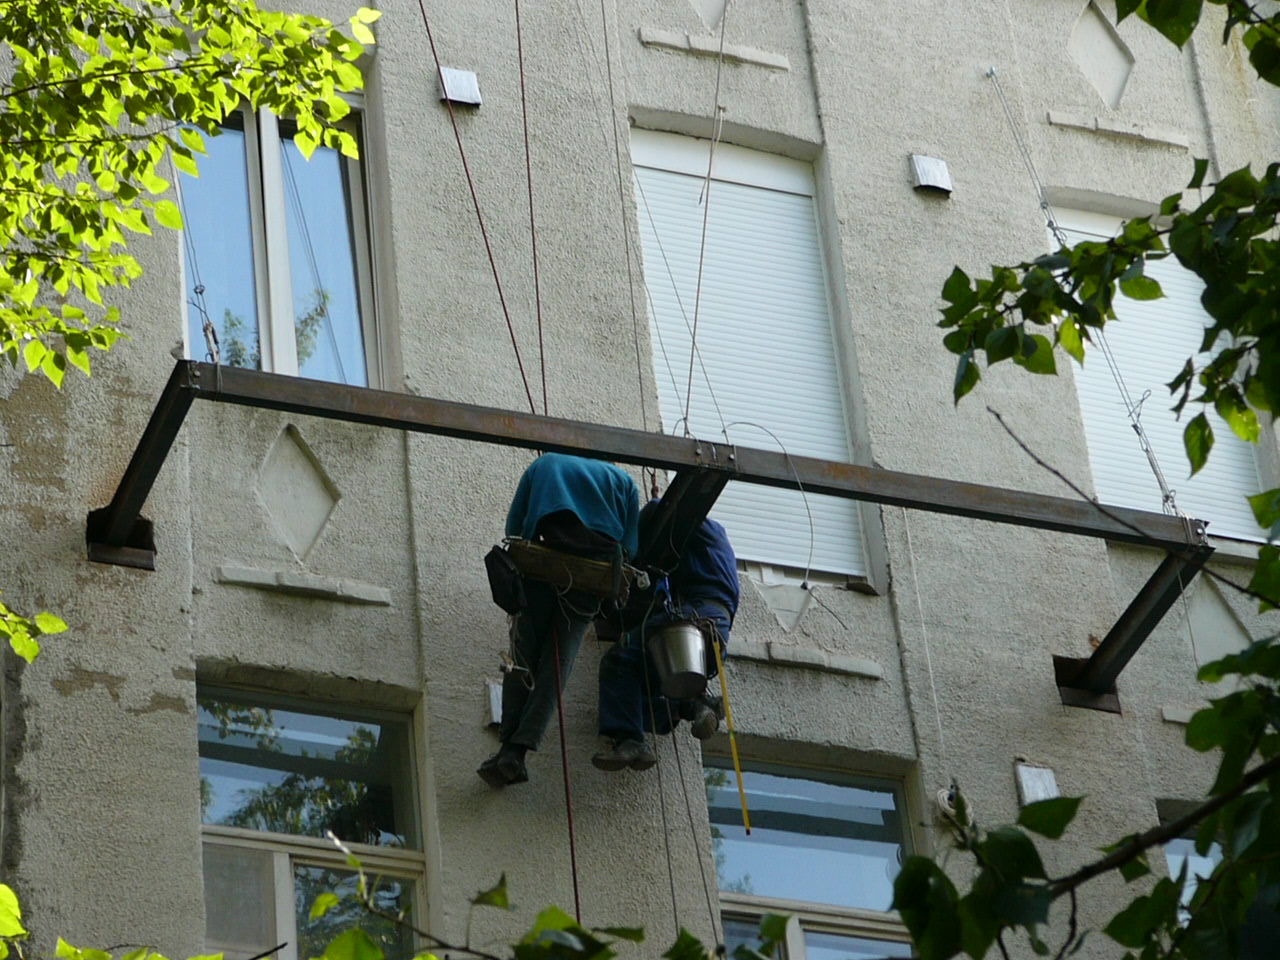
<point>679,655</point>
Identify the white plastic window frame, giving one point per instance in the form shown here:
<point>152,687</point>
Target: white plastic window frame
<point>288,852</point>
<point>273,282</point>
<point>680,153</point>
<point>807,916</point>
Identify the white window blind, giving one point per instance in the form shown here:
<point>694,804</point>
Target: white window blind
<point>1150,347</point>
<point>766,357</point>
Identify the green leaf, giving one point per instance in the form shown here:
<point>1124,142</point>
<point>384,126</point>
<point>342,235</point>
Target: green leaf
<point>1037,355</point>
<point>21,643</point>
<point>1001,344</point>
<point>192,138</point>
<point>926,900</point>
<point>1049,818</point>
<point>1242,421</point>
<point>1141,288</point>
<point>33,353</point>
<point>1131,870</point>
<point>323,904</point>
<point>54,366</point>
<point>686,947</point>
<point>11,913</point>
<point>1071,340</point>
<point>48,623</point>
<point>1197,178</point>
<point>957,287</point>
<point>354,944</point>
<point>633,934</point>
<point>1011,852</point>
<point>1176,19</point>
<point>1198,440</point>
<point>495,896</point>
<point>967,375</point>
<point>167,214</point>
<point>1125,8</point>
<point>367,14</point>
<point>1266,507</point>
<point>1265,581</point>
<point>361,32</point>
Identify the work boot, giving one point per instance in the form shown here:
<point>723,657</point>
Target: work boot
<point>636,754</point>
<point>505,767</point>
<point>706,718</point>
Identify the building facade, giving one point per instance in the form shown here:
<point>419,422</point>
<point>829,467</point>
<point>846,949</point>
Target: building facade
<point>316,645</point>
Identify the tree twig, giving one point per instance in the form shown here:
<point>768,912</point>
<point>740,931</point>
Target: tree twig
<point>1164,832</point>
<point>1110,515</point>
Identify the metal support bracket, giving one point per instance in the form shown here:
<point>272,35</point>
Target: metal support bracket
<point>1086,683</point>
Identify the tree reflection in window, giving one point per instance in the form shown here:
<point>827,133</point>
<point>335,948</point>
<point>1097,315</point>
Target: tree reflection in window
<point>272,765</point>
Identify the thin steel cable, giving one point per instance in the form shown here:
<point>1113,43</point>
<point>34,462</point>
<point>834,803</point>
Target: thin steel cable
<point>717,120</point>
<point>697,845</point>
<point>924,633</point>
<point>662,793</point>
<point>475,202</point>
<point>1168,500</point>
<point>564,769</point>
<point>533,223</point>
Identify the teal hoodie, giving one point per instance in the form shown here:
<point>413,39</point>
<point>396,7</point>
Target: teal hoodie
<point>602,496</point>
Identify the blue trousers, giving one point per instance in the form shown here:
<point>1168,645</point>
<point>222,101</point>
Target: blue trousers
<point>630,702</point>
<point>549,621</point>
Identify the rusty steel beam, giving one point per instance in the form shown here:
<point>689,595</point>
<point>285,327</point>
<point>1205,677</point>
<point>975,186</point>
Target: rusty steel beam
<point>118,533</point>
<point>512,428</point>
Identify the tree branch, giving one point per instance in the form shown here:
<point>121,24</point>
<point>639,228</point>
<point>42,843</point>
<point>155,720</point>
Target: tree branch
<point>1163,833</point>
<point>1075,488</point>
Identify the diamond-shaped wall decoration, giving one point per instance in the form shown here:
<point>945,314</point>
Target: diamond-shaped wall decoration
<point>298,494</point>
<point>711,11</point>
<point>1100,54</point>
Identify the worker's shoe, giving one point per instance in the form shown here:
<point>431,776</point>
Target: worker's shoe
<point>705,719</point>
<point>636,754</point>
<point>505,767</point>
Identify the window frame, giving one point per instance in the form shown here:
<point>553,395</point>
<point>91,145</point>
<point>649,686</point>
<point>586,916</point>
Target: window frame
<point>684,154</point>
<point>269,234</point>
<point>1266,452</point>
<point>290,850</point>
<point>807,915</point>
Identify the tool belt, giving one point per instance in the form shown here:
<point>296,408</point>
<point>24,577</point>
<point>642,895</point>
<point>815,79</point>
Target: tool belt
<point>611,580</point>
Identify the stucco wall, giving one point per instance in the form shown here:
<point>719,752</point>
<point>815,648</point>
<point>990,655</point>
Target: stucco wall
<point>101,819</point>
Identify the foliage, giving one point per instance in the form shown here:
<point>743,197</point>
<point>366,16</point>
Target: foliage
<point>102,98</point>
<point>1227,238</point>
<point>1225,233</point>
<point>1012,893</point>
<point>237,352</point>
<point>22,632</point>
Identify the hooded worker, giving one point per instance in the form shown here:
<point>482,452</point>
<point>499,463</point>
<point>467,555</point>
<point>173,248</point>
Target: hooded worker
<point>574,505</point>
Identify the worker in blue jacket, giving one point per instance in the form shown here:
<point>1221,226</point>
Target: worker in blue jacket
<point>703,588</point>
<point>575,505</point>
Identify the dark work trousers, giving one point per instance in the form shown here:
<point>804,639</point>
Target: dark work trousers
<point>628,704</point>
<point>529,699</point>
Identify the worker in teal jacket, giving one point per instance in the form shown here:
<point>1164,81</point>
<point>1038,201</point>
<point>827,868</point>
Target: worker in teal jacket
<point>579,506</point>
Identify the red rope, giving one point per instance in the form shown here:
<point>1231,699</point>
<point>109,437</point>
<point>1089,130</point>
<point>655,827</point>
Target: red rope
<point>475,200</point>
<point>533,225</point>
<point>564,767</point>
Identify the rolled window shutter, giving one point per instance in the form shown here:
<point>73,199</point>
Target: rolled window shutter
<point>764,343</point>
<point>1150,345</point>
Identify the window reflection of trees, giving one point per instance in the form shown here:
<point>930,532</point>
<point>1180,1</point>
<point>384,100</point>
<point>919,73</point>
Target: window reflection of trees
<point>304,802</point>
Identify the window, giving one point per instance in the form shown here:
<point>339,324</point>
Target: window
<point>275,775</point>
<point>1261,923</point>
<point>766,361</point>
<point>277,255</point>
<point>1150,346</point>
<point>824,847</point>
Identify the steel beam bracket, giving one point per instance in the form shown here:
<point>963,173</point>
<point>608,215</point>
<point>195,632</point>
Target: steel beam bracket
<point>138,549</point>
<point>1091,682</point>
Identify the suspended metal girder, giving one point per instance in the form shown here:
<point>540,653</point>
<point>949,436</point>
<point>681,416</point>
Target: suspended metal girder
<point>118,533</point>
